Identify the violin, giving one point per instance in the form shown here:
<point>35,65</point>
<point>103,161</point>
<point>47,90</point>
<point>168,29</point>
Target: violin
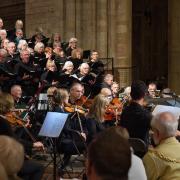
<point>75,108</point>
<point>113,110</point>
<point>84,101</point>
<point>15,120</point>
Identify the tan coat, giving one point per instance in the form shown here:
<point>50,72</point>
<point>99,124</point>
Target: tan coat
<point>163,162</point>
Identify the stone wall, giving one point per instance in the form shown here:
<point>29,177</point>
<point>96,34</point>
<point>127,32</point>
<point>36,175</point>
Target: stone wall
<point>174,46</point>
<point>104,25</point>
<point>10,11</point>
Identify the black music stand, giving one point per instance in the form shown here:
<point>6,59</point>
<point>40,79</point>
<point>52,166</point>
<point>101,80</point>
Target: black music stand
<point>52,128</point>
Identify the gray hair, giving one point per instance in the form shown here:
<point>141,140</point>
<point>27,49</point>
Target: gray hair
<point>67,63</point>
<point>107,76</point>
<point>3,31</point>
<point>38,46</point>
<point>165,123</point>
<point>73,39</point>
<point>21,43</point>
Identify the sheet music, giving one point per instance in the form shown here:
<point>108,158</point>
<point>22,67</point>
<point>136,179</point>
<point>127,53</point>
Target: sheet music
<point>160,108</point>
<point>53,124</point>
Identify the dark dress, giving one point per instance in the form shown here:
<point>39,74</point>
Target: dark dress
<point>136,120</point>
<point>94,127</point>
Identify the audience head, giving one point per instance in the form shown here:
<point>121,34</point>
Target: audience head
<point>109,156</point>
<point>164,125</point>
<point>94,55</point>
<point>84,68</point>
<point>138,90</point>
<point>98,107</point>
<point>11,156</point>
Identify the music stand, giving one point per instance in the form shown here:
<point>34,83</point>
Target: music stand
<point>43,102</point>
<point>52,127</point>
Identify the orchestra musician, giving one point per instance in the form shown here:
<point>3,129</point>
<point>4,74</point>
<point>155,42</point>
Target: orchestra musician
<point>30,168</point>
<point>152,89</point>
<point>74,123</point>
<point>95,116</point>
<point>115,89</point>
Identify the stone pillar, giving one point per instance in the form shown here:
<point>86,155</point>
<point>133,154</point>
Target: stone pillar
<point>174,46</point>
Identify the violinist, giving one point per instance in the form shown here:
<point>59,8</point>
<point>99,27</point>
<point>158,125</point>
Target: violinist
<point>115,89</point>
<point>66,142</point>
<point>60,100</point>
<point>76,93</point>
<point>16,92</point>
<point>95,117</point>
<point>30,168</point>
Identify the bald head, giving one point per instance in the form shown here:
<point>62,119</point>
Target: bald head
<point>164,126</point>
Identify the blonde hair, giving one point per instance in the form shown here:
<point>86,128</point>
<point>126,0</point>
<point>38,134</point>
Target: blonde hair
<point>11,156</point>
<point>49,63</point>
<point>51,90</point>
<point>60,95</point>
<point>38,46</point>
<point>98,107</point>
<point>75,51</point>
<point>6,103</point>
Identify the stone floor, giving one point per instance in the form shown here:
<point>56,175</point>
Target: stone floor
<point>74,170</point>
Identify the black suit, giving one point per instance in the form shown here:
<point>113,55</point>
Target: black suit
<point>136,120</point>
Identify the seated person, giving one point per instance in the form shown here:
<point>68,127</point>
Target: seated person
<point>163,161</point>
<point>109,156</point>
<point>95,116</point>
<point>11,157</point>
<point>30,170</point>
<point>115,89</point>
<point>152,90</point>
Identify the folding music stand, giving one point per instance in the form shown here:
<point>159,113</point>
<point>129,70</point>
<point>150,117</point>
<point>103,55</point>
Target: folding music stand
<point>52,127</point>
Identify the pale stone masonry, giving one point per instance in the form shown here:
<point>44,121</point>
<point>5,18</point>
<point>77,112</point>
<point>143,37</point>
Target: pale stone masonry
<point>104,25</point>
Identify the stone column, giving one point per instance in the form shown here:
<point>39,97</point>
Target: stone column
<point>174,46</point>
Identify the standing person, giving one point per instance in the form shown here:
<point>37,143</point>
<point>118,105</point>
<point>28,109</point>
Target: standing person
<point>72,45</point>
<point>135,118</point>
